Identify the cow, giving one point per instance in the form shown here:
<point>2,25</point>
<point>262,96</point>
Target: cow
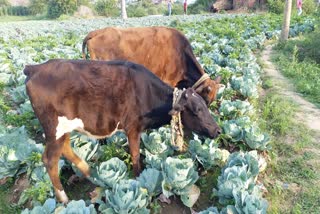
<point>98,98</point>
<point>164,51</point>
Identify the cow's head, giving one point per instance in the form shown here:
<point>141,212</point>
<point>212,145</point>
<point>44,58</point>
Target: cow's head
<point>208,89</point>
<point>195,114</point>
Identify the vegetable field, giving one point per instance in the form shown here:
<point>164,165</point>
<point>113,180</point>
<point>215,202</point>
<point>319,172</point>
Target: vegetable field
<point>212,176</point>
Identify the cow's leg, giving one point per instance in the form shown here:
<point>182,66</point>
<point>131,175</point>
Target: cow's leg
<point>50,159</point>
<point>134,146</point>
<point>74,158</point>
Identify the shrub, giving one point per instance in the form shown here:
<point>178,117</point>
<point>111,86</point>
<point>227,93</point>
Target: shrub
<point>200,6</point>
<point>308,6</point>
<point>107,8</point>
<point>137,11</point>
<point>4,3</point>
<point>38,7</point>
<point>275,6</point>
<point>59,7</point>
<point>177,9</point>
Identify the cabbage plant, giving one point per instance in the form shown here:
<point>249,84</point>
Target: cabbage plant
<point>210,210</point>
<point>15,149</point>
<point>76,207</point>
<point>47,208</point>
<point>233,109</point>
<point>239,174</point>
<point>207,153</point>
<point>178,176</point>
<point>157,147</point>
<point>126,197</point>
<point>108,173</point>
<point>151,180</point>
<point>250,203</point>
<point>235,129</point>
<point>256,139</point>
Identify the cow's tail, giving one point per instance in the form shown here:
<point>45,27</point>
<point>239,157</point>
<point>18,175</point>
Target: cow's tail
<point>84,45</point>
<point>85,42</point>
<point>29,71</point>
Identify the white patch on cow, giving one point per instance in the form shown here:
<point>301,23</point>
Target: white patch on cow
<point>66,126</point>
<point>194,95</point>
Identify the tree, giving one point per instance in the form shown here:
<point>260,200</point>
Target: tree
<point>123,9</point>
<point>58,7</point>
<point>4,2</point>
<point>286,21</point>
<point>38,7</point>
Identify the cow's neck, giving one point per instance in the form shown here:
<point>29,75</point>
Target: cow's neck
<point>159,114</point>
<point>192,72</point>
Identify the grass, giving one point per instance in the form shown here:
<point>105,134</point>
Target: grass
<point>21,18</point>
<point>5,190</point>
<point>292,178</point>
<point>299,60</point>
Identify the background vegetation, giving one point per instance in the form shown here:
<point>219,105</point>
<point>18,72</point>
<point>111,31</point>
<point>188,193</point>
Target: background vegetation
<point>299,60</point>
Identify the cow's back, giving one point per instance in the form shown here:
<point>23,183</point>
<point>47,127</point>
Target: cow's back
<point>95,91</point>
<point>162,50</point>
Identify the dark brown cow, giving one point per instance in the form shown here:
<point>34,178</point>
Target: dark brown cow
<point>98,98</point>
<point>164,51</point>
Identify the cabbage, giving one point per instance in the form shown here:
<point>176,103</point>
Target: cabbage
<point>157,147</point>
<point>250,203</point>
<point>125,197</point>
<point>207,153</point>
<point>151,180</point>
<point>178,176</point>
<point>236,128</point>
<point>239,174</point>
<point>47,208</point>
<point>233,109</point>
<point>210,210</point>
<point>255,139</point>
<point>76,207</point>
<point>15,149</point>
<point>108,173</point>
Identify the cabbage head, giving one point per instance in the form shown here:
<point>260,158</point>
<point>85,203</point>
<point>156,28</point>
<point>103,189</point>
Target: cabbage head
<point>15,149</point>
<point>47,208</point>
<point>126,197</point>
<point>108,173</point>
<point>255,139</point>
<point>207,153</point>
<point>151,180</point>
<point>178,176</point>
<point>233,109</point>
<point>249,203</point>
<point>210,210</point>
<point>240,174</point>
<point>76,207</point>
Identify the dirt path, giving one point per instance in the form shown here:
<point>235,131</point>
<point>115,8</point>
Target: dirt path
<point>308,113</point>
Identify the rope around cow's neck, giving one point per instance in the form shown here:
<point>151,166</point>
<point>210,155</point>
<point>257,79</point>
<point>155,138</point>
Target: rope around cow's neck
<point>204,77</point>
<point>176,124</point>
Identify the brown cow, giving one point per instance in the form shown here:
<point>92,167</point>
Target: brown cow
<point>164,51</point>
<point>98,98</point>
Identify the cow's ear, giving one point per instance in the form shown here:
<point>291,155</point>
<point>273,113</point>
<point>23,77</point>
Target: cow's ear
<point>176,109</point>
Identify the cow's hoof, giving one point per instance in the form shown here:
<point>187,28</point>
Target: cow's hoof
<point>61,196</point>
